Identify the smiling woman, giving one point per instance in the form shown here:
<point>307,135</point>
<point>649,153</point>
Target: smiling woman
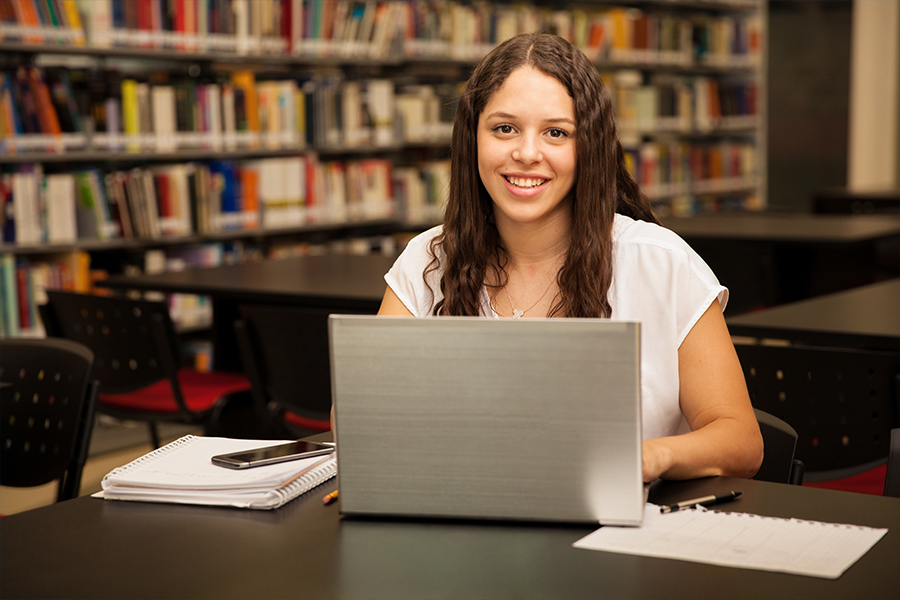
<point>544,220</point>
<point>526,150</point>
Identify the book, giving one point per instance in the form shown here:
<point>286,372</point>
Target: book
<point>27,103</point>
<point>182,473</point>
<point>26,204</point>
<point>63,98</point>
<point>60,202</point>
<point>9,315</point>
<point>46,112</point>
<point>246,82</point>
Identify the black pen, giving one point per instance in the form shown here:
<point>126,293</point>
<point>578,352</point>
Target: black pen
<point>704,501</point>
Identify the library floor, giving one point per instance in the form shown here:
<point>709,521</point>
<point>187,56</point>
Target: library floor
<point>113,444</point>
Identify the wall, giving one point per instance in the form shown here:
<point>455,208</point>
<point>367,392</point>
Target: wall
<point>808,99</point>
<point>873,155</point>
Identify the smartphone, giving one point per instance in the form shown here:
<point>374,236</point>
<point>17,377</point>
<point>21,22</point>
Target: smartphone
<point>271,454</point>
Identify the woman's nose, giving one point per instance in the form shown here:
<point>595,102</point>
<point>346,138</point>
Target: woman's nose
<point>528,150</point>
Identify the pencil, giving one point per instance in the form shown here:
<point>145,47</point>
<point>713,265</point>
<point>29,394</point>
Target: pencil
<point>330,498</point>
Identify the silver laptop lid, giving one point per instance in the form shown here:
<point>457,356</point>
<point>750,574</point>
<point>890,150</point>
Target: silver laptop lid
<point>533,419</point>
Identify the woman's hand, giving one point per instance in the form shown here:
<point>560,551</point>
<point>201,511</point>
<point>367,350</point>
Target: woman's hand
<point>656,458</point>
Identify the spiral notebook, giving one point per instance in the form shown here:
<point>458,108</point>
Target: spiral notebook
<point>181,473</point>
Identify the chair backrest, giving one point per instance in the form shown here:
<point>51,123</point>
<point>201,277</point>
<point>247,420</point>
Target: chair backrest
<point>892,478</point>
<point>842,402</point>
<point>285,355</point>
<point>780,442</point>
<point>48,401</point>
<point>133,341</point>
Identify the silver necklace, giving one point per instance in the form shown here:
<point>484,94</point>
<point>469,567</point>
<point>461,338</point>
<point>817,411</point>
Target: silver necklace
<point>518,314</point>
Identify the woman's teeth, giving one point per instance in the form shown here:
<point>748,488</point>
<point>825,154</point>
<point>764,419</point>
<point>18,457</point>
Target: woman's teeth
<point>525,182</point>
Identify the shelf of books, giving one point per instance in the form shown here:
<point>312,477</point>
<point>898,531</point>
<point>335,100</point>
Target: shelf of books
<point>157,127</point>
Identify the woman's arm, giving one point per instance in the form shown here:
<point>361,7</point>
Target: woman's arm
<point>391,305</point>
<point>724,437</point>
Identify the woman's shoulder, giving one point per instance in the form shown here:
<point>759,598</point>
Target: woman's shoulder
<point>418,251</point>
<point>651,255</point>
<point>629,231</point>
<point>423,240</point>
<point>406,275</point>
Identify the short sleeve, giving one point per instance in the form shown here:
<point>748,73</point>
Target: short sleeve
<point>702,288</point>
<point>406,279</point>
<point>660,279</point>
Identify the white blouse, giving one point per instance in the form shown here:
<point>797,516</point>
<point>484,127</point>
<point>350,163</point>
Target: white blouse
<point>657,280</point>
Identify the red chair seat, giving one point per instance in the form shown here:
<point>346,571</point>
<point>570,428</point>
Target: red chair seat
<point>304,423</point>
<point>867,482</point>
<point>200,392</point>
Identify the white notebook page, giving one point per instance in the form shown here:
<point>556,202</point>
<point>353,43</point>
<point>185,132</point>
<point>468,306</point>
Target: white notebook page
<point>740,540</point>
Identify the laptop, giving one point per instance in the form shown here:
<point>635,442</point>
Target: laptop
<point>474,418</point>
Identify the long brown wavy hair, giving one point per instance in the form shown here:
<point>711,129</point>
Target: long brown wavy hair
<point>603,186</point>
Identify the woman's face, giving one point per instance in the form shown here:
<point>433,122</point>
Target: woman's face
<point>526,148</point>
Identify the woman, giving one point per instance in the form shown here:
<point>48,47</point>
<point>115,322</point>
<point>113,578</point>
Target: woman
<point>544,220</point>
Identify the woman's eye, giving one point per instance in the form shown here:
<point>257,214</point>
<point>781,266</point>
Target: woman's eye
<point>505,129</point>
<point>558,133</point>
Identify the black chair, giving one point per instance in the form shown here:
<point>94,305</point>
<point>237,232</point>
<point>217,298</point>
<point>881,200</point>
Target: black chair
<point>285,354</point>
<point>137,359</point>
<point>47,403</point>
<point>842,402</point>
<point>780,442</point>
<point>892,478</point>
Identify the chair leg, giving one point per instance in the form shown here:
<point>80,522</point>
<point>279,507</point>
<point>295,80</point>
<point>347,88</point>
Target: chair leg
<point>154,433</point>
<point>798,470</point>
<point>62,490</point>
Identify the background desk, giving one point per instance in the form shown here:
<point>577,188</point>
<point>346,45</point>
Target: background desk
<point>866,317</point>
<point>90,548</point>
<point>339,282</point>
<point>767,259</point>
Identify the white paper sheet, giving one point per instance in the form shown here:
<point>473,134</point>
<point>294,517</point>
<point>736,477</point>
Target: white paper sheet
<point>740,540</point>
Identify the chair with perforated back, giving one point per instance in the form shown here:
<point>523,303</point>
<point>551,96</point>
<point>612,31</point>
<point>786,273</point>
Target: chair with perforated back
<point>137,359</point>
<point>47,403</point>
<point>285,354</point>
<point>842,402</point>
<point>780,442</point>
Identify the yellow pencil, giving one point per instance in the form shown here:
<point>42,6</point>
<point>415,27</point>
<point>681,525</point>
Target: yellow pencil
<point>330,498</point>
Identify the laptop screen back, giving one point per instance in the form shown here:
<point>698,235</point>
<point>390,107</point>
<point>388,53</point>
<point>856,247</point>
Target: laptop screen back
<point>535,419</point>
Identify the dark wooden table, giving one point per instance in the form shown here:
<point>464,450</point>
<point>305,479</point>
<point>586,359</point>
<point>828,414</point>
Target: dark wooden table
<point>91,548</point>
<point>346,283</point>
<point>772,258</point>
<point>867,317</point>
<point>786,227</point>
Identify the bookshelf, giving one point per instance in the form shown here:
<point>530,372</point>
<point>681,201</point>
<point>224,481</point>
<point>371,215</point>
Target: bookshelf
<point>149,134</point>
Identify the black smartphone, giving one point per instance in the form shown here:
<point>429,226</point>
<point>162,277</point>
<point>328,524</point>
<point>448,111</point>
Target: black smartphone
<point>271,454</point>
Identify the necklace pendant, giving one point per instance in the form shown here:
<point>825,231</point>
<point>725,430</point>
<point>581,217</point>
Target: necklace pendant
<point>517,314</point>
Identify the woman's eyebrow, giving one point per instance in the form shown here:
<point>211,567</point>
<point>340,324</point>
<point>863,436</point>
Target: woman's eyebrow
<point>561,120</point>
<point>503,115</point>
<point>499,115</point>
